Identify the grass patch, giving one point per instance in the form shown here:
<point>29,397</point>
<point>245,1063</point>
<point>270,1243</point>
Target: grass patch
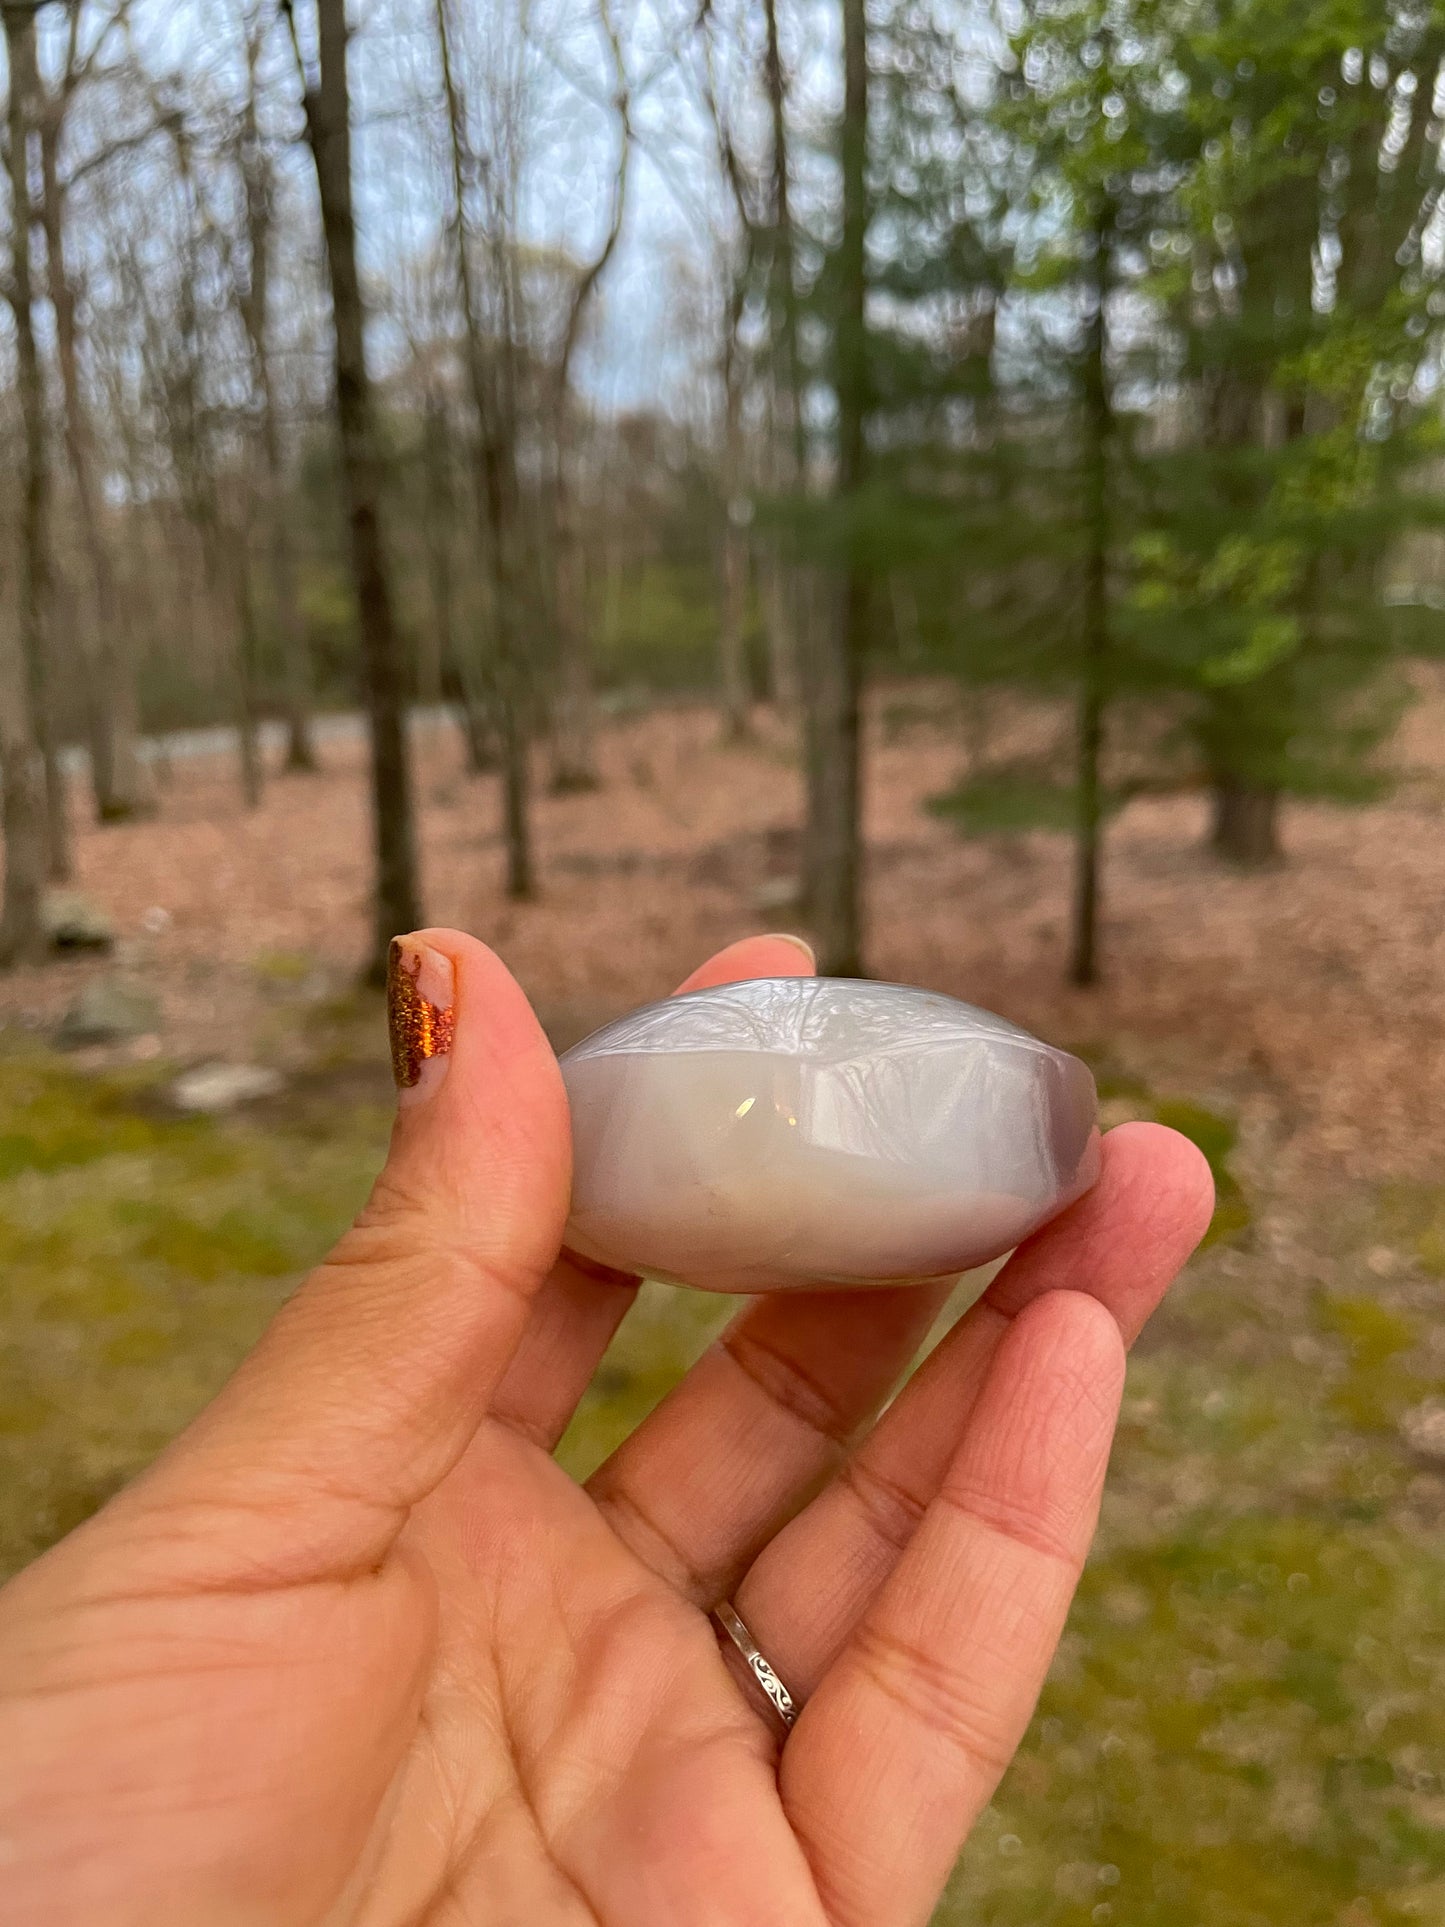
<point>1246,1723</point>
<point>142,1255</point>
<point>1216,1136</point>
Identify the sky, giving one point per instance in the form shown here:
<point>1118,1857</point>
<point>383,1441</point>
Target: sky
<point>639,354</point>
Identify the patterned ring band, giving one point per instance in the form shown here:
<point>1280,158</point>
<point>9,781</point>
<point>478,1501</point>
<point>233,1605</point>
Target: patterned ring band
<point>782,1701</point>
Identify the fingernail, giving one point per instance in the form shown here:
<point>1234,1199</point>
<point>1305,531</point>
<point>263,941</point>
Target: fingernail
<point>798,943</point>
<point>420,988</point>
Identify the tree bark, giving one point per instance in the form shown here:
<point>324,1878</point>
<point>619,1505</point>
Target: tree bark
<point>775,592</point>
<point>457,676</point>
<point>575,711</point>
<point>119,779</point>
<point>494,403</point>
<point>328,121</point>
<point>243,599</point>
<point>832,855</point>
<point>256,316</point>
<point>297,682</point>
<point>785,585</point>
<point>34,558</point>
<point>1093,675</point>
<point>438,645</point>
<point>574,715</point>
<point>22,774</point>
<point>732,623</point>
<point>1244,826</point>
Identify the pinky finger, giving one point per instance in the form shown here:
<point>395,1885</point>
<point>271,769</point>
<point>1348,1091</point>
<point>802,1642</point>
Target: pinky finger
<point>906,1737</point>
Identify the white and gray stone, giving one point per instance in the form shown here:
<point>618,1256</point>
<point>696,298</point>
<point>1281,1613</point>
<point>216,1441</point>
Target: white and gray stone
<point>73,922</point>
<point>212,1088</point>
<point>107,1012</point>
<point>797,1132</point>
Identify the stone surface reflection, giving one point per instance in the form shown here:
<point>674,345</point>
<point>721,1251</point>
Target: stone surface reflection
<point>792,1132</point>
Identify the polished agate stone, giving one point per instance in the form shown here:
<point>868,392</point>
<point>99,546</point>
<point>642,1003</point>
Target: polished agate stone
<point>797,1132</point>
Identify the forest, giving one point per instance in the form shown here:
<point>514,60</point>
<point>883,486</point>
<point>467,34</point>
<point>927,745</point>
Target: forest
<point>1084,351</point>
<point>961,479</point>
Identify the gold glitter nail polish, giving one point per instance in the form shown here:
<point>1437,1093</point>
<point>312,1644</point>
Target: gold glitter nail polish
<point>419,1029</point>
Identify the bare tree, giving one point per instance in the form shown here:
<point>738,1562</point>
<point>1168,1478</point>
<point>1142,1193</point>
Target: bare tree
<point>119,778</point>
<point>183,348</point>
<point>834,654</point>
<point>737,513</point>
<point>492,375</point>
<point>1098,440</point>
<point>34,558</point>
<point>258,174</point>
<point>574,765</point>
<point>781,587</point>
<point>22,772</point>
<point>328,125</point>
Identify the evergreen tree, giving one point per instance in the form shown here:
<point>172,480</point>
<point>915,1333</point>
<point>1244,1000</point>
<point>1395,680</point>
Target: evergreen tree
<point>1302,304</point>
<point>1087,103</point>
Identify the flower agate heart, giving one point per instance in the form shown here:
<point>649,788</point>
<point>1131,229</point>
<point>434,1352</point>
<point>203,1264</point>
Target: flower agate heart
<point>796,1132</point>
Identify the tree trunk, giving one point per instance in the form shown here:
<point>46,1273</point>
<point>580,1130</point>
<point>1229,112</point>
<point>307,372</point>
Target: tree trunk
<point>494,403</point>
<point>1093,675</point>
<point>458,679</point>
<point>297,691</point>
<point>775,586</point>
<point>786,591</point>
<point>1244,826</point>
<point>119,778</point>
<point>328,120</point>
<point>832,856</point>
<point>732,627</point>
<point>732,623</point>
<point>34,559</point>
<point>575,711</point>
<point>574,758</point>
<point>438,637</point>
<point>247,729</point>
<point>255,307</point>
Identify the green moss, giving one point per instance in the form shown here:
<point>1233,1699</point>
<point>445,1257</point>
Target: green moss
<point>1377,1386</point>
<point>1216,1136</point>
<point>1245,1726</point>
<point>51,1120</point>
<point>142,1255</point>
<point>283,967</point>
<point>1260,1749</point>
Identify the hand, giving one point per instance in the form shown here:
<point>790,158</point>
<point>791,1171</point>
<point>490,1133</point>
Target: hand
<point>355,1649</point>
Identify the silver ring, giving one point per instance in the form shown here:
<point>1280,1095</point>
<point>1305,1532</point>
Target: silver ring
<point>782,1701</point>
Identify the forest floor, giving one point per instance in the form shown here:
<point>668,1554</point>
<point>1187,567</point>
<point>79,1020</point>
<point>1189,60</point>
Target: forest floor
<point>1246,1725</point>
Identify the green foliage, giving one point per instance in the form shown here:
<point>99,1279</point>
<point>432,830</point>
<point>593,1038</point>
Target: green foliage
<point>659,629</point>
<point>1008,802</point>
<point>1243,193</point>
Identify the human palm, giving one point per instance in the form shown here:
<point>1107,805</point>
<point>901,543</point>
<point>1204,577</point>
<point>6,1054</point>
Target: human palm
<point>356,1650</point>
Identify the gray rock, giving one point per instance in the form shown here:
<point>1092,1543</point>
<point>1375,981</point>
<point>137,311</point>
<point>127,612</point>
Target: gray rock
<point>212,1088</point>
<point>107,1012</point>
<point>73,922</point>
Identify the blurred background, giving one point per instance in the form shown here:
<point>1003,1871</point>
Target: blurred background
<point>960,478</point>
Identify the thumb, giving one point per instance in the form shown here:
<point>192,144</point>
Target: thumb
<point>368,1385</point>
